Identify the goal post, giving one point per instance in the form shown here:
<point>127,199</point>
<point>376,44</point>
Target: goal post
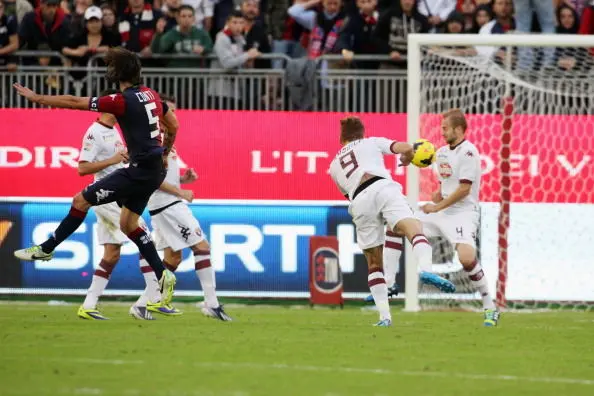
<point>516,113</point>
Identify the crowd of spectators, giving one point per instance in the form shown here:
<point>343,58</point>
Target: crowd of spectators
<point>231,34</point>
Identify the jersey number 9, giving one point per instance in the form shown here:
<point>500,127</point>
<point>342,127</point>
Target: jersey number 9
<point>349,161</point>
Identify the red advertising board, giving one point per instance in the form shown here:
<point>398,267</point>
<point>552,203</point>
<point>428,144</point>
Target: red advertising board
<point>285,155</point>
<point>325,275</point>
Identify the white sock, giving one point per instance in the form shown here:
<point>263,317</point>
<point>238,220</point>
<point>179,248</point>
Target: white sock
<point>392,252</point>
<point>151,292</point>
<point>379,291</point>
<point>206,277</point>
<point>479,282</point>
<point>423,252</point>
<point>98,284</point>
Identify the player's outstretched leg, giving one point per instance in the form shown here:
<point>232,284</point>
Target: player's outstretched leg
<point>393,246</point>
<point>151,298</point>
<point>111,256</point>
<point>130,226</point>
<point>377,284</point>
<point>423,252</point>
<point>206,276</point>
<point>69,224</point>
<point>467,257</point>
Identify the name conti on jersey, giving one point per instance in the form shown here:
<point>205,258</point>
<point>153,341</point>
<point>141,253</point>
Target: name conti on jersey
<point>145,96</point>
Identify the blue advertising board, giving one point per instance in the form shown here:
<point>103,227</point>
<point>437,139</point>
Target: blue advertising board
<point>254,248</point>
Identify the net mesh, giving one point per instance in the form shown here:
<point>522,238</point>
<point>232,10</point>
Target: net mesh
<point>531,119</point>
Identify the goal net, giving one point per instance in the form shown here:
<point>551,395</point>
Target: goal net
<point>529,102</point>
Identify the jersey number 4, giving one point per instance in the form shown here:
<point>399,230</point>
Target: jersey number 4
<point>349,163</point>
<point>152,119</point>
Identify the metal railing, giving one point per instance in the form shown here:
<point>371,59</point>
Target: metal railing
<point>336,87</point>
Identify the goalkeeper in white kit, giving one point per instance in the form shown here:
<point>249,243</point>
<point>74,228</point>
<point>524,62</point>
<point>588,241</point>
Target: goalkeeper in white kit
<point>454,213</point>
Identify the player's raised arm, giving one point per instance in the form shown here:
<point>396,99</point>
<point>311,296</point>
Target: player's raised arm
<point>401,148</point>
<point>59,101</point>
<point>388,146</point>
<point>405,150</point>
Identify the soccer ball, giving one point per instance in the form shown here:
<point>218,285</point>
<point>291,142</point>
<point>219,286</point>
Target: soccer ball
<point>424,153</point>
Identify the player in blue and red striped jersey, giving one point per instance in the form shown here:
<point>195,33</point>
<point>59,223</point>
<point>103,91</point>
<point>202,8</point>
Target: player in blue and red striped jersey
<point>139,111</point>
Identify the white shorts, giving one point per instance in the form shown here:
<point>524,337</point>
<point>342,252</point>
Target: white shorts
<point>380,203</point>
<point>176,228</point>
<point>456,228</point>
<point>108,224</point>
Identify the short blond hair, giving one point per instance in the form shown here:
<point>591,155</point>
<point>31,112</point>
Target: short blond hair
<point>456,118</point>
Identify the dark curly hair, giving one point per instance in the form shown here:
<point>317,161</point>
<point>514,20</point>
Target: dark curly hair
<point>122,66</point>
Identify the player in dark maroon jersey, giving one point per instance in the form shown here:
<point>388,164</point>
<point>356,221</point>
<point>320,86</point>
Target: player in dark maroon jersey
<point>139,111</point>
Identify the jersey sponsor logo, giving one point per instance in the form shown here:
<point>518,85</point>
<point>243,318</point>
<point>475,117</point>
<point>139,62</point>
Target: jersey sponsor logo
<point>90,137</point>
<point>469,154</point>
<point>445,170</point>
<point>102,194</point>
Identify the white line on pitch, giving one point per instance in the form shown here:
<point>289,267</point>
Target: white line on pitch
<point>280,366</point>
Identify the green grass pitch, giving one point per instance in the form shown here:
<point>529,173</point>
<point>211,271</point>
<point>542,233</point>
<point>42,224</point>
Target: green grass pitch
<point>47,350</point>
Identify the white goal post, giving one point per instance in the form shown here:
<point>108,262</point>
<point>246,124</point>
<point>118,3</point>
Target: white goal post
<point>512,107</point>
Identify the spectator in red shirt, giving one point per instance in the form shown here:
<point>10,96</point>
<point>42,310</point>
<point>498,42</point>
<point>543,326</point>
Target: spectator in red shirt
<point>45,28</point>
<point>137,26</point>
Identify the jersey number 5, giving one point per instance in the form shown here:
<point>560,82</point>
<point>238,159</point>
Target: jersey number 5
<point>152,119</point>
<point>349,161</point>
